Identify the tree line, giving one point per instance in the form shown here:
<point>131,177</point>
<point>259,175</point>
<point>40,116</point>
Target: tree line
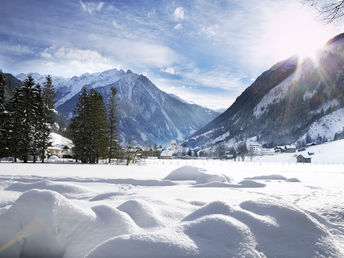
<point>26,119</point>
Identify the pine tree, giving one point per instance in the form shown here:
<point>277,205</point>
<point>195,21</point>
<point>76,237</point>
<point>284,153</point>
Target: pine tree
<point>113,121</point>
<point>49,94</point>
<point>98,128</point>
<point>43,123</point>
<point>78,128</point>
<point>24,116</point>
<point>46,112</point>
<point>4,150</point>
<point>89,127</point>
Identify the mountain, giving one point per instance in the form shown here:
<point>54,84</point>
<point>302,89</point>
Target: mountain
<point>11,83</point>
<point>147,114</point>
<point>295,101</point>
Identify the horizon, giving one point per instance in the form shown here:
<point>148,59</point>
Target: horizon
<point>195,50</point>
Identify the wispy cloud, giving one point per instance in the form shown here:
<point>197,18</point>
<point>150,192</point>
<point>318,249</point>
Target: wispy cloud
<point>15,49</point>
<point>169,70</point>
<point>91,7</point>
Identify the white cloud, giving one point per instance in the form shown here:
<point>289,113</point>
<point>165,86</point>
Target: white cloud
<point>217,78</point>
<point>206,99</point>
<point>91,7</point>
<point>65,61</point>
<point>115,24</point>
<point>210,31</point>
<point>15,49</point>
<point>178,13</point>
<point>135,54</point>
<point>169,70</point>
<point>178,26</point>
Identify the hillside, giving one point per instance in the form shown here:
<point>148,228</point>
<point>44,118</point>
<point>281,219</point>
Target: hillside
<point>292,102</point>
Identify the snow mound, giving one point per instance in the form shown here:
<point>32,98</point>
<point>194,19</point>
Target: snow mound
<point>53,159</point>
<point>276,227</point>
<point>216,207</point>
<point>209,236</point>
<point>242,184</point>
<point>269,177</point>
<point>273,177</point>
<point>221,236</point>
<point>293,180</point>
<point>43,223</point>
<point>195,174</point>
<point>296,234</point>
<point>62,188</point>
<point>105,196</point>
<point>251,183</point>
<point>141,212</point>
<point>163,244</point>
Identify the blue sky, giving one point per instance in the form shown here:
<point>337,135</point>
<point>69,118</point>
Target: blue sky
<point>206,52</point>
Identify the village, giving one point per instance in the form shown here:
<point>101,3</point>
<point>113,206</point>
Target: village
<point>61,150</point>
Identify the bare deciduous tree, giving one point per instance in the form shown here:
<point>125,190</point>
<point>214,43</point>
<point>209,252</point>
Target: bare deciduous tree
<point>329,10</point>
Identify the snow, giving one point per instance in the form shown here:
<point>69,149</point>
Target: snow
<point>196,174</point>
<point>326,153</point>
<point>60,140</point>
<point>327,126</point>
<point>174,208</point>
<point>275,95</point>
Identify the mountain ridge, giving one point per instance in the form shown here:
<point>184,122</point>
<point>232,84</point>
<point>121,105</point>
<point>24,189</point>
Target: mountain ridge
<point>283,103</point>
<point>147,114</point>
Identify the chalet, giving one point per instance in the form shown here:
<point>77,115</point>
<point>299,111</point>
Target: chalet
<point>289,148</point>
<point>61,151</point>
<point>255,149</point>
<point>303,159</point>
<point>279,148</point>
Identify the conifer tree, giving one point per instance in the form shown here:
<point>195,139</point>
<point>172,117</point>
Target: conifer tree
<point>4,150</point>
<point>98,128</point>
<point>49,94</point>
<point>78,128</point>
<point>113,120</point>
<point>89,127</point>
<point>25,118</point>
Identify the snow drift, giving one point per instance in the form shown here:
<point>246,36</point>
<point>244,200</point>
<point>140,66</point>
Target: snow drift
<point>43,223</point>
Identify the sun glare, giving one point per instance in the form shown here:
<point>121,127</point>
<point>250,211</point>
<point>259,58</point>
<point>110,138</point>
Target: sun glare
<point>295,30</point>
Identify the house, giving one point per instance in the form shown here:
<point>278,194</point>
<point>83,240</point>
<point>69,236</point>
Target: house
<point>55,150</point>
<point>303,159</point>
<point>255,149</point>
<point>285,148</point>
<point>289,148</point>
<point>61,151</point>
<point>279,148</point>
<point>170,152</point>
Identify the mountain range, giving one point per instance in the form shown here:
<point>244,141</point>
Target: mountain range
<point>147,114</point>
<point>297,100</point>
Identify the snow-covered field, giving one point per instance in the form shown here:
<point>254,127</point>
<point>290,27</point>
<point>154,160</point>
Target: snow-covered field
<point>172,209</point>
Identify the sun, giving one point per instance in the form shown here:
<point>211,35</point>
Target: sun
<point>295,30</point>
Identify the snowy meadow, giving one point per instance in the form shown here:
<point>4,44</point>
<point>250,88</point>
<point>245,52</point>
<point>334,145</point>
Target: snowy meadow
<point>172,208</point>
